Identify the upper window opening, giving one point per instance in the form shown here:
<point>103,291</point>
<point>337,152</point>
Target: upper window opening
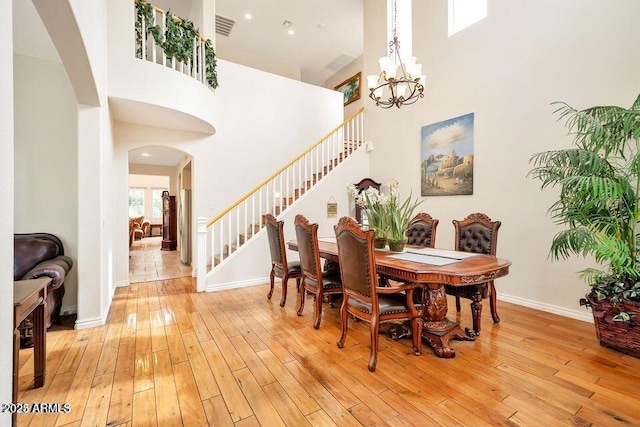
<point>463,13</point>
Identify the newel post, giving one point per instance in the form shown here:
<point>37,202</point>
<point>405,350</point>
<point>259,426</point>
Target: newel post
<point>201,268</point>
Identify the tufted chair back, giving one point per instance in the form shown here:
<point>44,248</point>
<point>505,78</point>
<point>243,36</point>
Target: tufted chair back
<point>477,233</point>
<point>422,230</point>
<point>275,231</point>
<point>356,254</point>
<point>307,237</point>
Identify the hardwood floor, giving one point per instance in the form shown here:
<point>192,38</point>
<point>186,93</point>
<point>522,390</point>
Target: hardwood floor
<point>149,263</point>
<point>170,356</point>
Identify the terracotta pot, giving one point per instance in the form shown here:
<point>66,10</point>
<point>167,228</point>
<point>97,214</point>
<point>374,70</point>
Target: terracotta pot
<point>380,242</point>
<point>620,336</point>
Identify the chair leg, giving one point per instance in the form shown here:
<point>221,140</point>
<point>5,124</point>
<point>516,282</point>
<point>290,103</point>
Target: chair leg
<point>316,323</point>
<point>416,330</point>
<point>343,322</point>
<point>285,282</point>
<point>373,358</point>
<point>493,302</point>
<point>298,284</point>
<point>303,294</point>
<point>271,280</point>
<point>458,304</point>
<point>476,311</point>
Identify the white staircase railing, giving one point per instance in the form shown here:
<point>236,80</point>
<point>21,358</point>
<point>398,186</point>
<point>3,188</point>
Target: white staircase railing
<point>150,49</point>
<point>242,220</point>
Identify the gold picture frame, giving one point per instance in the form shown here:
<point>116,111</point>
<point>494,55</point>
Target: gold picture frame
<point>350,88</point>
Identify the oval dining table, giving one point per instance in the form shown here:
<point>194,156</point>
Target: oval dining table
<point>432,269</point>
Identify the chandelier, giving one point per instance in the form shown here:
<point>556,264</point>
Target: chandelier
<point>400,82</point>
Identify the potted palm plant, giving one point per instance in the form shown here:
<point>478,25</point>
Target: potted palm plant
<point>599,206</point>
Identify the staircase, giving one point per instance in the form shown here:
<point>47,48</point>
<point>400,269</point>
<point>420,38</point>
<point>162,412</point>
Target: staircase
<point>244,219</point>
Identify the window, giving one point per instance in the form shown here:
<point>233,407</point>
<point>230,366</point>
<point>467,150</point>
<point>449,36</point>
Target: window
<point>136,202</point>
<point>463,13</point>
<point>156,198</point>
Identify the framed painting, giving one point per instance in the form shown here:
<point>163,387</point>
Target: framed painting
<point>447,157</point>
<point>350,88</point>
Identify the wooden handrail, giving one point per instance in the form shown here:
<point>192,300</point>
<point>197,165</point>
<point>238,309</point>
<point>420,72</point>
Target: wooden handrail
<point>282,169</point>
<point>164,12</point>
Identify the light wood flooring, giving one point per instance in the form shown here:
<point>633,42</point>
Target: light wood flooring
<point>149,263</point>
<point>169,356</point>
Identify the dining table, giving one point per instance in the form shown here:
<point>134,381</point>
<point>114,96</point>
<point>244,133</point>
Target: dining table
<point>432,269</point>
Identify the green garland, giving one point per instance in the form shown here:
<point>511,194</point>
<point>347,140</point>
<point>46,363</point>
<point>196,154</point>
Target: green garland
<point>211,64</point>
<point>144,11</point>
<point>178,40</point>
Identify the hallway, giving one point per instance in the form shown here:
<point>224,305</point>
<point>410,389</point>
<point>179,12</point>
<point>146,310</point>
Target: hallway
<point>148,262</point>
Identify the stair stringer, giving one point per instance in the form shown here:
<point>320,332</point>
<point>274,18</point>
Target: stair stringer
<point>250,264</point>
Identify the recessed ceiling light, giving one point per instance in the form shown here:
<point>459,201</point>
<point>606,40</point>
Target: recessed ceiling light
<point>291,32</point>
<point>145,154</point>
<point>247,16</point>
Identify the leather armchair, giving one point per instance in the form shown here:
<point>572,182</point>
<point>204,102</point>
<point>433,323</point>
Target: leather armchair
<point>41,255</point>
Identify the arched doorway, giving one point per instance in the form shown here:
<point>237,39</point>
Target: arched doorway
<point>160,195</point>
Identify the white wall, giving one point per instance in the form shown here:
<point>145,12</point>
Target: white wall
<point>507,69</point>
<point>156,170</point>
<point>6,194</point>
<point>260,130</point>
<point>257,61</point>
<point>46,158</point>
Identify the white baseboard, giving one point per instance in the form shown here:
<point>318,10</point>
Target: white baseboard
<point>121,283</point>
<point>70,309</point>
<point>90,323</point>
<point>233,285</point>
<point>584,315</point>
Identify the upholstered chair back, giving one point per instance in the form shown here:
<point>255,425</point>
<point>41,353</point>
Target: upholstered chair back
<point>307,238</point>
<point>275,232</point>
<point>477,233</point>
<point>422,230</point>
<point>356,257</point>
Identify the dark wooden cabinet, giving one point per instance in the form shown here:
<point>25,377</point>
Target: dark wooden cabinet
<point>169,222</point>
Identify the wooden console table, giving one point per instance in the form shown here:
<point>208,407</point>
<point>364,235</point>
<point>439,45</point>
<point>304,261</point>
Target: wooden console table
<point>155,227</point>
<point>30,296</point>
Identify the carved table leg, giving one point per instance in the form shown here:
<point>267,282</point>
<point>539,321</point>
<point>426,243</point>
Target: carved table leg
<point>437,330</point>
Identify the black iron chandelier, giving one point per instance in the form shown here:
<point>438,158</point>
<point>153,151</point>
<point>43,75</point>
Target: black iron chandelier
<point>400,82</point>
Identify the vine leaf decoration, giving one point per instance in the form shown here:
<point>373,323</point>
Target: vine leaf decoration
<point>178,40</point>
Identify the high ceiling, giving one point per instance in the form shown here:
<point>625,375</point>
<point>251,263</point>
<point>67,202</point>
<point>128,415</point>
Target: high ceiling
<point>324,31</point>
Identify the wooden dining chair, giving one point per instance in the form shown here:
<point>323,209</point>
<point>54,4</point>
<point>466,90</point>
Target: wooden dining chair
<point>422,230</point>
<point>315,281</point>
<point>362,297</point>
<point>479,234</point>
<point>280,267</point>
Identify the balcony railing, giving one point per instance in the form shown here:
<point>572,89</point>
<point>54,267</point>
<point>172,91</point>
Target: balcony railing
<point>173,42</point>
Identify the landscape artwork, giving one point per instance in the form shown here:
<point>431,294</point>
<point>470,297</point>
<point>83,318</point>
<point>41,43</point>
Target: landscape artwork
<point>350,88</point>
<point>447,157</point>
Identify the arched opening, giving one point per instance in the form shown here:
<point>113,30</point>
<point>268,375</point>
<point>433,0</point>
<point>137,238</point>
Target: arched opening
<point>160,214</point>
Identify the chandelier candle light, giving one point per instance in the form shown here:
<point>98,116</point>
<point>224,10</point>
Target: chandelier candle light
<point>400,82</point>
